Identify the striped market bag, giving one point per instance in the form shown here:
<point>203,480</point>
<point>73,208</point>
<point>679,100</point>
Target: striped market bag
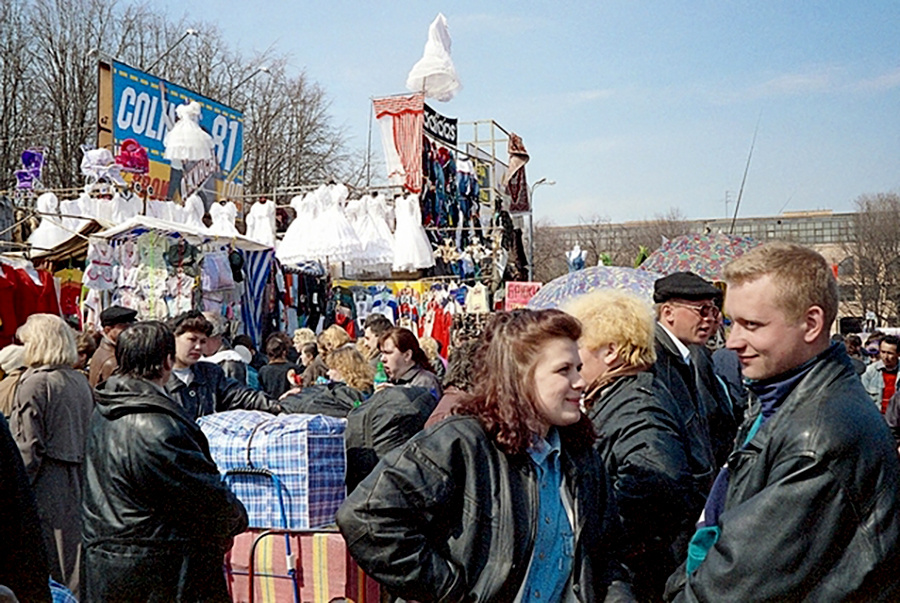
<point>323,570</point>
<point>288,470</point>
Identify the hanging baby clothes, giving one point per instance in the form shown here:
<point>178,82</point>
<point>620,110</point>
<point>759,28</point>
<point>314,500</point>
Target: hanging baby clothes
<point>179,293</point>
<point>100,273</point>
<point>128,264</point>
<point>223,219</point>
<point>49,232</point>
<point>412,251</point>
<point>261,222</point>
<point>152,275</point>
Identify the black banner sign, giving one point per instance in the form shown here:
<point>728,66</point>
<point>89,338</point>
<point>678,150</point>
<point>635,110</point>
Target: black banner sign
<point>440,127</point>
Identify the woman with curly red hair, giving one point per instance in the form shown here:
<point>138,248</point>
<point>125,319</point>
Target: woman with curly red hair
<point>506,500</point>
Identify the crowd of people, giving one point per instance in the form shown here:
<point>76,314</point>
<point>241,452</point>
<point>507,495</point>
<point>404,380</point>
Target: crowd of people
<point>597,452</point>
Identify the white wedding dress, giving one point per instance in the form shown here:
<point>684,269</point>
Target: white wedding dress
<point>223,217</point>
<point>261,223</point>
<point>412,250</point>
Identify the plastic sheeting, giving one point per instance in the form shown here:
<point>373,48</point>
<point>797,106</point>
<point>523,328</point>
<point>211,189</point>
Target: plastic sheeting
<point>435,74</point>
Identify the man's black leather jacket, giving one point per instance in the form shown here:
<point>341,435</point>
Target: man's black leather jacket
<point>811,510</point>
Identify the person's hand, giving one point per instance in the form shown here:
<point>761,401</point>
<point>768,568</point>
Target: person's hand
<point>291,392</point>
<point>381,386</point>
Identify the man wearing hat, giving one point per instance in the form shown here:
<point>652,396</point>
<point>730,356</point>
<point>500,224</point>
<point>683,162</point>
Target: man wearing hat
<point>114,320</point>
<point>687,313</point>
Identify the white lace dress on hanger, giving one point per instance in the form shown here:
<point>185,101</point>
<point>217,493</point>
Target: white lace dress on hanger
<point>293,248</point>
<point>193,213</point>
<point>187,141</point>
<point>261,223</point>
<point>223,217</point>
<point>412,250</point>
<point>328,237</point>
<point>334,239</point>
<point>125,207</point>
<point>71,208</point>
<point>376,240</point>
<point>49,232</point>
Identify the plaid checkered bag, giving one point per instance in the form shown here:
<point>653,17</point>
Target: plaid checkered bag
<point>305,453</point>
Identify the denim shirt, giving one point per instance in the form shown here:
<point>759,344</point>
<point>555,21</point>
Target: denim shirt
<point>554,550</point>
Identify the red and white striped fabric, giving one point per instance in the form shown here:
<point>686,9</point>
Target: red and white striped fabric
<point>401,119</point>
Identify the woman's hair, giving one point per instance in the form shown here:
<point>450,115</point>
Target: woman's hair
<point>304,336</point>
<point>332,338</point>
<point>462,365</point>
<point>432,349</point>
<point>354,369</point>
<point>311,348</point>
<point>192,321</point>
<point>48,340</point>
<point>404,340</point>
<point>623,319</point>
<point>277,345</point>
<point>505,399</point>
<point>86,344</point>
<point>143,348</point>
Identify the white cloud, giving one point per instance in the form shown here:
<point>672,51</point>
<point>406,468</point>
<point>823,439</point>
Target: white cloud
<point>885,81</point>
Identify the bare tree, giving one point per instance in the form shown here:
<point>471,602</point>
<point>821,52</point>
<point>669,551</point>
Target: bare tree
<point>48,89</point>
<point>14,74</point>
<point>549,251</point>
<point>872,271</point>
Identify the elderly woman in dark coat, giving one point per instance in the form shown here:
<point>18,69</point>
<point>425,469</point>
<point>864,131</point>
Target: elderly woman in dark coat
<point>49,421</point>
<point>654,450</point>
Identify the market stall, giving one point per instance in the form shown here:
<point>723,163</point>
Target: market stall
<point>162,269</point>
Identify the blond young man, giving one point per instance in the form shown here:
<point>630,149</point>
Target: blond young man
<point>807,507</point>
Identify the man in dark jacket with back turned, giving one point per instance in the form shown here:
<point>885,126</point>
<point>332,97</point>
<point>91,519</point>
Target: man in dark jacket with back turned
<point>807,507</point>
<point>157,517</point>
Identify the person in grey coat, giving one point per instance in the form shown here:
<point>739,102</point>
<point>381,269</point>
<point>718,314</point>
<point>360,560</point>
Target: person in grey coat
<point>49,421</point>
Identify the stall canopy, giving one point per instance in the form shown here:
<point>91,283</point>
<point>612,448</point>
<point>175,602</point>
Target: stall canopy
<point>195,236</point>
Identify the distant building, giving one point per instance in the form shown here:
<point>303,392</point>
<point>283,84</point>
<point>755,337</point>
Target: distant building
<point>827,232</point>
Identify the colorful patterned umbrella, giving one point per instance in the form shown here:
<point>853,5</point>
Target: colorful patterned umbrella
<point>560,290</point>
<point>703,254</point>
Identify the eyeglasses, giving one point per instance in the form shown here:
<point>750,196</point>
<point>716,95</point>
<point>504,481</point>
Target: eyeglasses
<point>704,311</point>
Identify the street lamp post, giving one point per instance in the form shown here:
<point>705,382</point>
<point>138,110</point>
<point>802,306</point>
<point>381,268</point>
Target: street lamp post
<point>531,225</point>
<point>258,70</point>
<point>189,32</point>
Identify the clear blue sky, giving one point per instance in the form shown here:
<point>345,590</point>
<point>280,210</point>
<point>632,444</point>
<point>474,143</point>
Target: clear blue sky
<point>632,107</point>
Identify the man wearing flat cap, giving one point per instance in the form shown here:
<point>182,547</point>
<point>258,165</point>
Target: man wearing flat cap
<point>114,320</point>
<point>687,312</point>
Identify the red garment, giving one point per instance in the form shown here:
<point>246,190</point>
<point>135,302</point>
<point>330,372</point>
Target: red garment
<point>890,386</point>
<point>9,322</point>
<point>443,320</point>
<point>20,297</point>
<point>346,323</point>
